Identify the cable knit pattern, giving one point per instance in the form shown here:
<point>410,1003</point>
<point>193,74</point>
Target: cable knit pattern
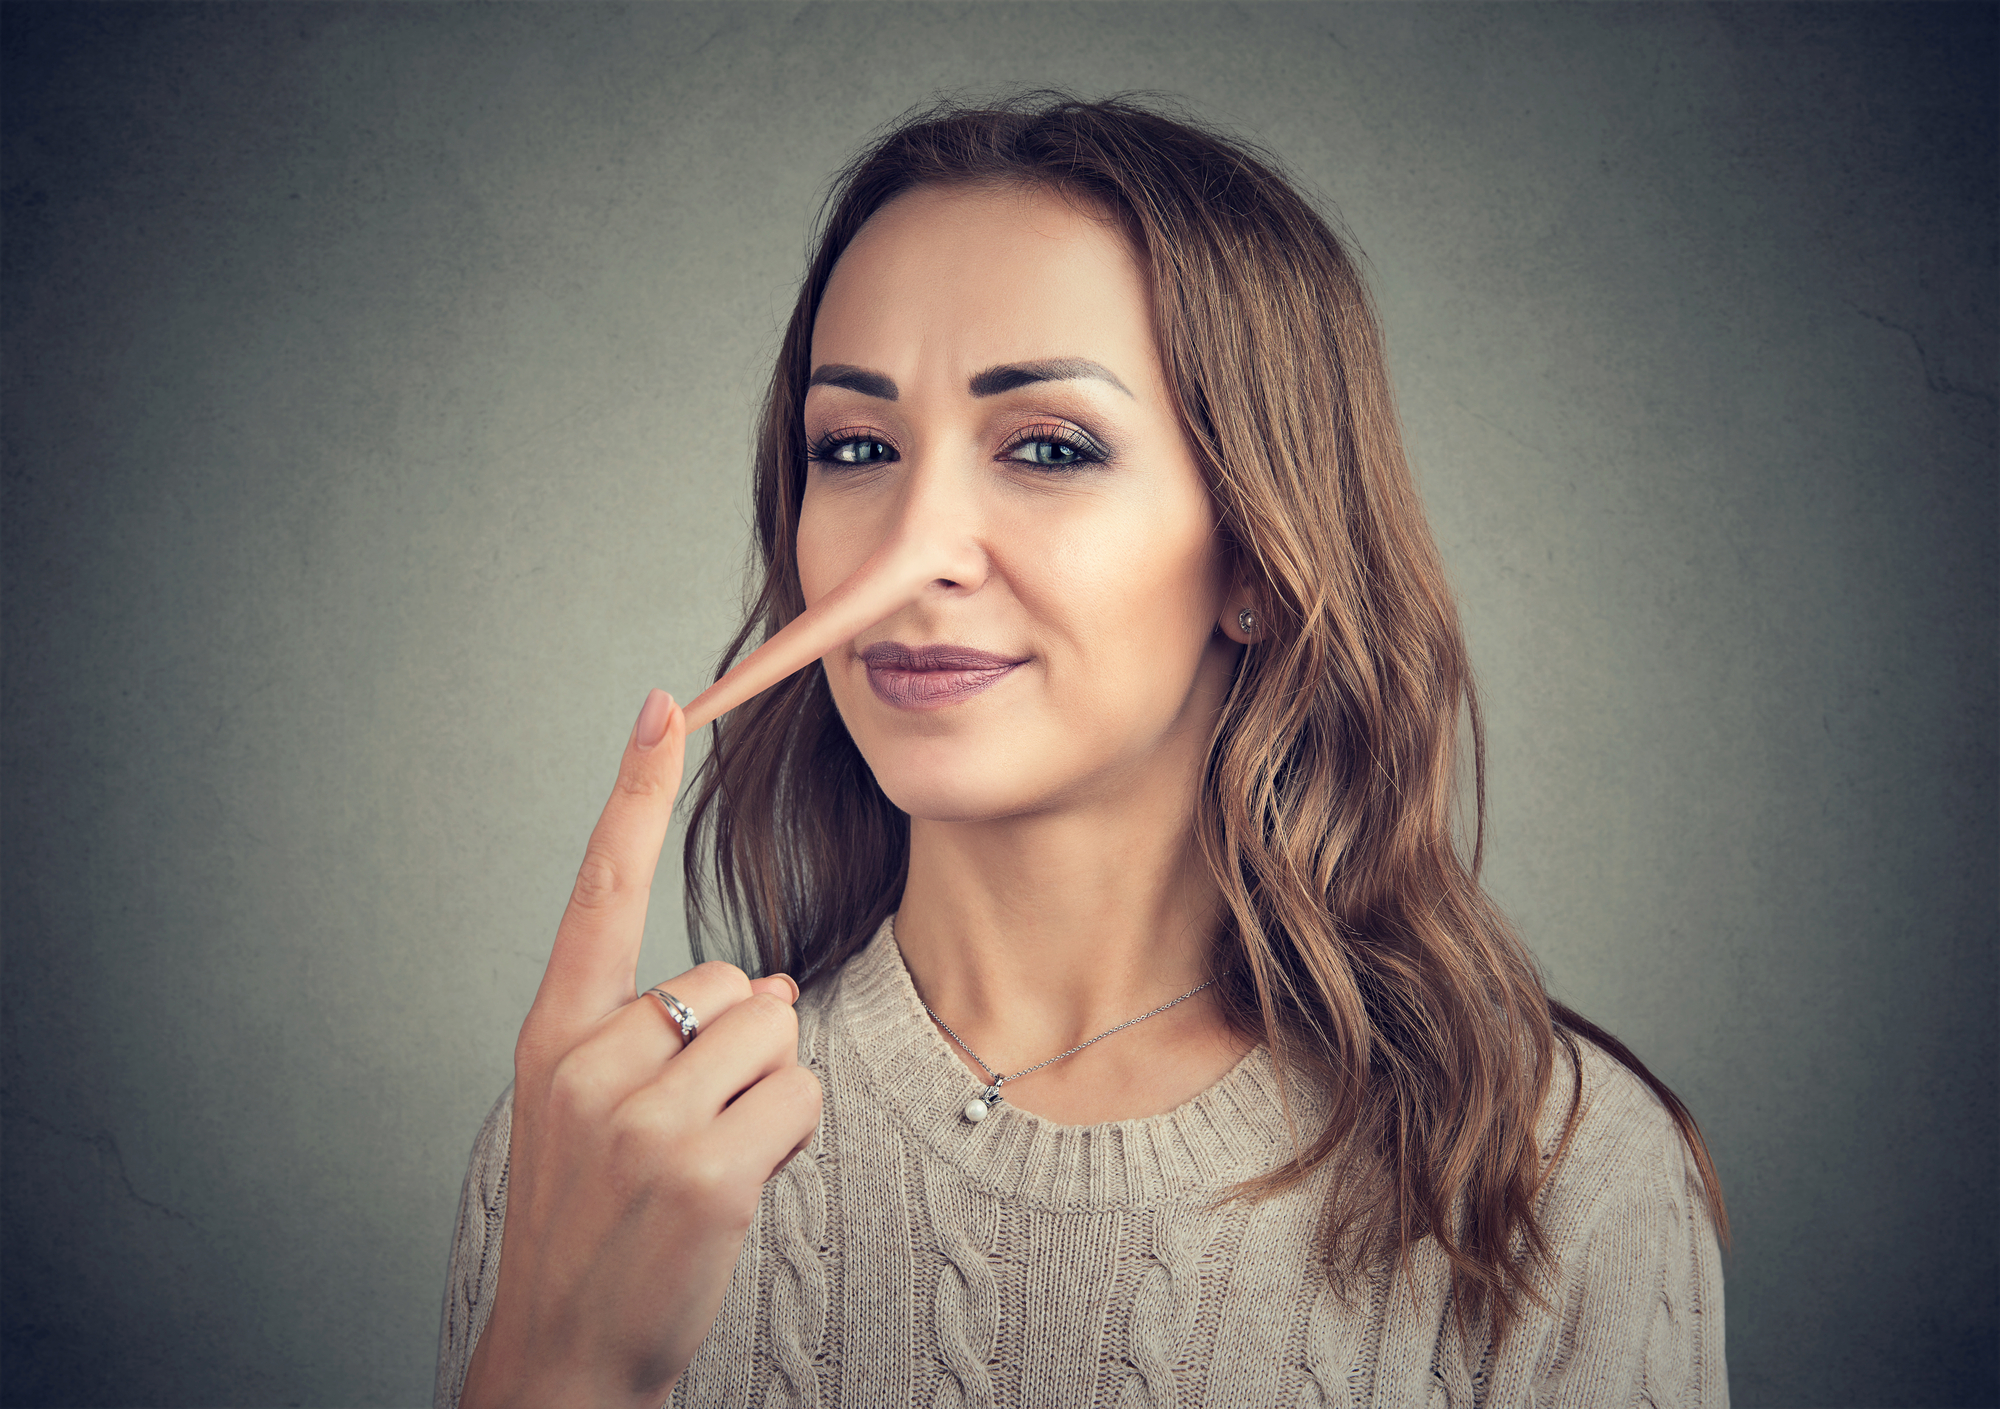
<point>475,1250</point>
<point>795,1317</point>
<point>908,1258</point>
<point>1163,1319</point>
<point>965,1308</point>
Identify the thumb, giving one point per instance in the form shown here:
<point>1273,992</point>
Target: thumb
<point>777,985</point>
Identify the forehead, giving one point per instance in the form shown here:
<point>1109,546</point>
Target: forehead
<point>957,277</point>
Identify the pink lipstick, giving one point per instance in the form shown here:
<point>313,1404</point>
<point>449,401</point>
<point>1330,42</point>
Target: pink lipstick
<point>931,677</point>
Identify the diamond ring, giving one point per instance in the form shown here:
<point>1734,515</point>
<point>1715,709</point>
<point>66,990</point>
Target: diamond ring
<point>680,1012</point>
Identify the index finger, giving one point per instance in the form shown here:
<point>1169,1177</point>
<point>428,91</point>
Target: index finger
<point>595,958</point>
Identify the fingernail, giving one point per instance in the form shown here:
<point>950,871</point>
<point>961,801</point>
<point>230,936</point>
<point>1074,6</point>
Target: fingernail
<point>787,980</point>
<point>652,725</point>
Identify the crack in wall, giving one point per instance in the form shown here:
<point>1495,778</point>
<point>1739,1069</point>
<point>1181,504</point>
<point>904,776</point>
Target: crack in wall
<point>1932,379</point>
<point>106,1146</point>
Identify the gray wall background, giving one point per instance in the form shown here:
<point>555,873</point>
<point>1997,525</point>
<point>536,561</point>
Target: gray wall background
<point>378,393</point>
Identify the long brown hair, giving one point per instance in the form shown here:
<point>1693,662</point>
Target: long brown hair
<point>1358,943</point>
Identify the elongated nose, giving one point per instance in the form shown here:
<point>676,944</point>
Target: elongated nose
<point>933,545</point>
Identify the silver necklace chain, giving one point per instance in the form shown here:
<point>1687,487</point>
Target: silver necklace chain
<point>991,1097</point>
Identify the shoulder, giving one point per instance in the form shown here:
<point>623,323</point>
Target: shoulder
<point>1618,1117</point>
<point>1634,1281</point>
<point>1625,1165</point>
<point>1623,1142</point>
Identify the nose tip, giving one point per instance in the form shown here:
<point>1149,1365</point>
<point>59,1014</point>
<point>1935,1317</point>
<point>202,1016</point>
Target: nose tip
<point>946,558</point>
<point>935,530</point>
<point>927,551</point>
<point>924,551</point>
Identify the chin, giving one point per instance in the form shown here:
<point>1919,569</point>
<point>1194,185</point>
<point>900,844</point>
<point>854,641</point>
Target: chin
<point>972,762</point>
<point>952,779</point>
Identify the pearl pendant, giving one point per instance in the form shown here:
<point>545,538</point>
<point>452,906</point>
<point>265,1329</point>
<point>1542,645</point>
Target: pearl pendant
<point>975,1110</point>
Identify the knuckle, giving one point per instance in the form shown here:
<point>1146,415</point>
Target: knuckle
<point>799,1084</point>
<point>635,1133</point>
<point>763,1027</point>
<point>638,778</point>
<point>726,978</point>
<point>578,1083</point>
<point>712,1182</point>
<point>533,1051</point>
<point>599,882</point>
<point>774,1014</point>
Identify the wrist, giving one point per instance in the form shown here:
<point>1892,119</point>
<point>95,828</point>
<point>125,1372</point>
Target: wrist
<point>501,1375</point>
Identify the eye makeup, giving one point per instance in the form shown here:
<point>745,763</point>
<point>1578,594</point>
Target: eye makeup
<point>1056,445</point>
<point>850,449</point>
<point>1068,446</point>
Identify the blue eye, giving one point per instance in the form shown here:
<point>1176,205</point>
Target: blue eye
<point>838,449</point>
<point>1047,452</point>
<point>1054,447</point>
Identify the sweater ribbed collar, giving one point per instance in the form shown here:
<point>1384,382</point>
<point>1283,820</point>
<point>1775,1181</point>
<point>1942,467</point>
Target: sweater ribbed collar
<point>1231,1132</point>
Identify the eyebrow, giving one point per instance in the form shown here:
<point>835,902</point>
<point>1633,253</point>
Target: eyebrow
<point>991,382</point>
<point>854,379</point>
<point>995,380</point>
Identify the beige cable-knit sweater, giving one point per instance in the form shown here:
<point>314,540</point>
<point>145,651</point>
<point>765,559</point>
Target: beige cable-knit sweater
<point>909,1258</point>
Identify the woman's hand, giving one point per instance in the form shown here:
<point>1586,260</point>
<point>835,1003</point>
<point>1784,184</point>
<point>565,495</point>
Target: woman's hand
<point>635,1166</point>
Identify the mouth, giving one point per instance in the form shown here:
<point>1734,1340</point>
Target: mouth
<point>932,677</point>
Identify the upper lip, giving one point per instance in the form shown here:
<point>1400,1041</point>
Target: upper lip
<point>894,655</point>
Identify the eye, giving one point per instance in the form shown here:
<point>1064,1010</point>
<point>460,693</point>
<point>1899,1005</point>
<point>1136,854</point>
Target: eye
<point>1053,447</point>
<point>850,448</point>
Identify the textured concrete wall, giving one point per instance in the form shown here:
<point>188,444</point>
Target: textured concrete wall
<point>378,388</point>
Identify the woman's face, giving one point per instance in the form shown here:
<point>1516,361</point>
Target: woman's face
<point>985,376</point>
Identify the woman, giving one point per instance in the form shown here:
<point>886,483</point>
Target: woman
<point>1155,1044</point>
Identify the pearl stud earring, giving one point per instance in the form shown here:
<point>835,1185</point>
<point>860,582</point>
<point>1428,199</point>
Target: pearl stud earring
<point>1246,621</point>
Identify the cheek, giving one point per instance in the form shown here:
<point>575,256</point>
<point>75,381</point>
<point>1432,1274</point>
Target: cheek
<point>1131,605</point>
<point>1161,569</point>
<point>824,546</point>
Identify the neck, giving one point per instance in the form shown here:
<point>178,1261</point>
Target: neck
<point>1036,931</point>
<point>1071,909</point>
<point>1030,935</point>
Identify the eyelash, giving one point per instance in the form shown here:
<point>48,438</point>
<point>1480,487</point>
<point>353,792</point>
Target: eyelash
<point>821,451</point>
<point>1088,451</point>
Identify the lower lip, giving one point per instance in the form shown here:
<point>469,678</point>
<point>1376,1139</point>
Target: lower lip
<point>933,689</point>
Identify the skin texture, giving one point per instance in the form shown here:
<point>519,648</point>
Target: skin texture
<point>1052,893</point>
<point>635,1164</point>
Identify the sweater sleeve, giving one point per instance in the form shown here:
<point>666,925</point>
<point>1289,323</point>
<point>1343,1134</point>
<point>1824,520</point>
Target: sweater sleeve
<point>475,1252</point>
<point>1637,1314</point>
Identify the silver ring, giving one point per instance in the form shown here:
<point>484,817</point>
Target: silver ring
<point>680,1012</point>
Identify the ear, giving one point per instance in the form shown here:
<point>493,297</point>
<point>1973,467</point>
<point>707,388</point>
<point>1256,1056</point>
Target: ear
<point>1231,622</point>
